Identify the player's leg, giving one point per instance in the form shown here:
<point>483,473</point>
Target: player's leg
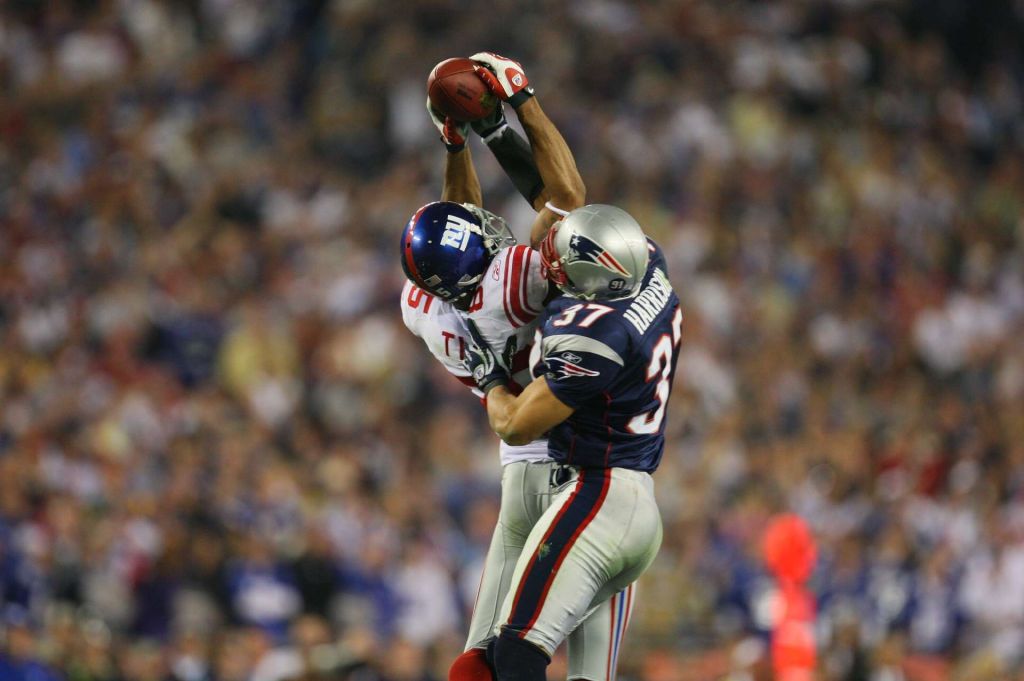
<point>517,659</point>
<point>522,484</point>
<point>471,665</point>
<point>594,645</point>
<point>595,540</point>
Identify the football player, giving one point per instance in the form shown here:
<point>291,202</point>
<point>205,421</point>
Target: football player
<point>464,269</point>
<point>603,363</point>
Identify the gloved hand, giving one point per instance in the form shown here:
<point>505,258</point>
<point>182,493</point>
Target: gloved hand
<point>482,363</point>
<point>504,77</point>
<point>490,128</point>
<point>453,133</point>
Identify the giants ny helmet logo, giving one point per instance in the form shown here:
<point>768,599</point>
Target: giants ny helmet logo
<point>583,249</point>
<point>457,231</point>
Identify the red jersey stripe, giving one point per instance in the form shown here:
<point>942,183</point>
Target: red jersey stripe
<point>514,281</point>
<point>505,297</point>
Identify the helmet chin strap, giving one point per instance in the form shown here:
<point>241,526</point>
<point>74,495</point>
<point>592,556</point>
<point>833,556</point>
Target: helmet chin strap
<point>462,302</point>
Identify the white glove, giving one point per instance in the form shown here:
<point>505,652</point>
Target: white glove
<point>481,362</point>
<point>504,77</point>
<point>453,133</point>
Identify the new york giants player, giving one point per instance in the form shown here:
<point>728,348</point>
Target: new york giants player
<point>603,365</point>
<point>468,280</point>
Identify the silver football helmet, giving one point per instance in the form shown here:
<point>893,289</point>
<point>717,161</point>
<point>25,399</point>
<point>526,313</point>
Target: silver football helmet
<point>597,252</point>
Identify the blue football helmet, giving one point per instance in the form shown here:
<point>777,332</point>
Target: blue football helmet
<point>446,247</point>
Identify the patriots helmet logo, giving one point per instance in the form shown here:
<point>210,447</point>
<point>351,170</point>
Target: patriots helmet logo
<point>588,250</point>
<point>560,367</point>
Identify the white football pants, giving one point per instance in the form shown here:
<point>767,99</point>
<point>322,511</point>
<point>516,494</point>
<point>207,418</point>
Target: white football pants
<point>531,492</point>
<point>529,488</point>
<point>600,533</point>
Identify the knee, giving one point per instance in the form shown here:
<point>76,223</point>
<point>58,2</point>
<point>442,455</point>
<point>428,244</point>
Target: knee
<point>518,660</point>
<point>471,666</point>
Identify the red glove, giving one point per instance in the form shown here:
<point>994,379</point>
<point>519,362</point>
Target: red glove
<point>453,133</point>
<point>504,77</point>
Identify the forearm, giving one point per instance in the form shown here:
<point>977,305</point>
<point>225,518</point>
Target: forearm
<point>541,224</point>
<point>515,157</point>
<point>501,412</point>
<point>521,419</point>
<point>461,183</point>
<point>555,162</point>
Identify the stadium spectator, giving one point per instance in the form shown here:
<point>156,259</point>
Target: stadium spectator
<point>221,458</point>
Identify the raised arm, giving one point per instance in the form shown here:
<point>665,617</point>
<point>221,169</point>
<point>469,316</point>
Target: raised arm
<point>562,182</point>
<point>514,155</point>
<point>461,183</point>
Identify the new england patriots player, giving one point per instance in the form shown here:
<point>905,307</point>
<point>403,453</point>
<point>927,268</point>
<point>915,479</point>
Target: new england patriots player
<point>603,363</point>
<point>468,280</point>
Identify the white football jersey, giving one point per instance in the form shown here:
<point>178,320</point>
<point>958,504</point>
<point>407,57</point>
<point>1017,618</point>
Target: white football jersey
<point>505,310</point>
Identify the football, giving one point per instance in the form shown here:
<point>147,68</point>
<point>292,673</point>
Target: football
<point>455,90</point>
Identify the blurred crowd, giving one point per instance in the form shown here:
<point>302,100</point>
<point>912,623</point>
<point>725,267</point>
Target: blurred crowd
<point>223,458</point>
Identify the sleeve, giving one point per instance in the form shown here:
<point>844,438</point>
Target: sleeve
<point>583,363</point>
<point>535,289</point>
<point>516,158</point>
<point>408,316</point>
<point>415,306</point>
<point>520,286</point>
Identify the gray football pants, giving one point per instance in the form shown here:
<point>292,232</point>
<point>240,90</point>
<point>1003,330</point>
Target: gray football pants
<point>532,498</point>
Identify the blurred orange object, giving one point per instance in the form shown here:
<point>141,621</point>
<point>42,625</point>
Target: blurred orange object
<point>790,553</point>
<point>789,549</point>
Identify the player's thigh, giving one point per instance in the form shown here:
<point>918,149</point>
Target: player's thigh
<point>577,554</point>
<point>527,490</point>
<point>642,539</point>
<point>499,565</point>
<point>522,484</point>
<point>594,645</point>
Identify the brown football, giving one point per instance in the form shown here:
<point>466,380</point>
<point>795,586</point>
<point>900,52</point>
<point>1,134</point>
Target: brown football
<point>455,90</point>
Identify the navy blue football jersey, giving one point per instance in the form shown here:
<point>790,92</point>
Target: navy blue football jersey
<point>613,362</point>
